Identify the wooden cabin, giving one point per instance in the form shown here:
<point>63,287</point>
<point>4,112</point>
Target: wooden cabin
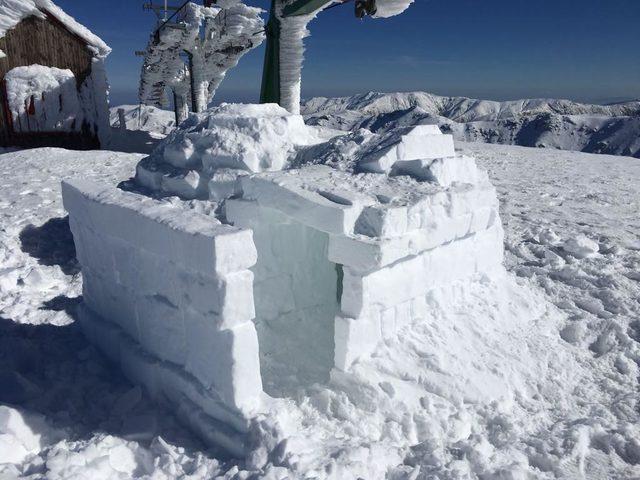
<point>53,88</point>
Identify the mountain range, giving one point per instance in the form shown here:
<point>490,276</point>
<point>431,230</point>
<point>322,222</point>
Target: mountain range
<point>547,123</point>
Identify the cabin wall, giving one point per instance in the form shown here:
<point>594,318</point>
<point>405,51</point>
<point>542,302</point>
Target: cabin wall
<point>45,42</point>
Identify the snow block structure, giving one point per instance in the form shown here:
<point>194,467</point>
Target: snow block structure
<point>357,255</point>
<point>316,264</point>
<point>167,295</point>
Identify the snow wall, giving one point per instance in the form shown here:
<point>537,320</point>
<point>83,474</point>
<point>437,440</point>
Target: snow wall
<point>318,264</point>
<point>167,295</point>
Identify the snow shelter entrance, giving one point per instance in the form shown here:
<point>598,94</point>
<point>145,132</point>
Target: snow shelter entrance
<point>297,296</point>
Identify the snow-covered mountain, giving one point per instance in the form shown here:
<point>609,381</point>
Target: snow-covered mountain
<point>561,124</point>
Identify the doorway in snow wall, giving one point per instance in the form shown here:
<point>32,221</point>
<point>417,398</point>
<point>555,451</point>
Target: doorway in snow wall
<point>296,294</point>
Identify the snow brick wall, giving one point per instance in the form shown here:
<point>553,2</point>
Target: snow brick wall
<point>391,241</point>
<point>168,296</point>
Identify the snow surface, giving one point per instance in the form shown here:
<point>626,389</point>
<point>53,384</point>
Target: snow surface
<point>144,117</point>
<point>145,126</point>
<point>568,371</point>
<point>562,124</point>
<point>13,12</point>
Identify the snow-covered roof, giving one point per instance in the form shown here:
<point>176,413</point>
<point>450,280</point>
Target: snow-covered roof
<point>12,12</point>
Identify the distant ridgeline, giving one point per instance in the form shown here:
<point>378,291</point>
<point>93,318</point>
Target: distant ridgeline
<point>560,124</point>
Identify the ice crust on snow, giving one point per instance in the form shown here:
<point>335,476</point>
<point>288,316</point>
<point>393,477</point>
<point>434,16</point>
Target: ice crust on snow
<point>17,438</point>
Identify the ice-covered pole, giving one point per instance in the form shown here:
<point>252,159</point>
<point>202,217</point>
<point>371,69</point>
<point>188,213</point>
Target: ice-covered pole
<point>285,32</point>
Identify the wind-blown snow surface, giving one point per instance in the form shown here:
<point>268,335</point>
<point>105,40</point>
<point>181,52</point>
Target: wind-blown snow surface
<point>561,124</point>
<point>568,372</point>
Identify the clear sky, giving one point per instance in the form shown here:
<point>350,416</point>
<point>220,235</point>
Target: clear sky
<point>587,50</point>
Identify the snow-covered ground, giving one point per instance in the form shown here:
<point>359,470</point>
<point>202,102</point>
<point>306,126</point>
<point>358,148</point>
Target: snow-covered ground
<point>144,125</point>
<point>571,227</point>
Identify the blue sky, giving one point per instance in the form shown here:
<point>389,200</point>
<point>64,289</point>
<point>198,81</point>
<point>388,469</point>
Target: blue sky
<point>586,50</point>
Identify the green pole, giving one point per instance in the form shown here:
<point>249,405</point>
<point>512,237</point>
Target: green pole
<point>270,90</point>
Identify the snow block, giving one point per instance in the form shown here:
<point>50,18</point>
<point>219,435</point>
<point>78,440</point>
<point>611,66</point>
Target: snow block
<point>198,242</point>
<point>355,338</point>
<point>414,143</point>
<point>328,210</point>
<point>443,171</point>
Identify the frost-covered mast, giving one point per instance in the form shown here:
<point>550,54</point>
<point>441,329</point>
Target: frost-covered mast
<point>192,49</point>
<point>286,29</point>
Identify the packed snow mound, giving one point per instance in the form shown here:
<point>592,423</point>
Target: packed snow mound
<point>13,12</point>
<point>206,156</point>
<point>560,124</point>
<point>242,138</point>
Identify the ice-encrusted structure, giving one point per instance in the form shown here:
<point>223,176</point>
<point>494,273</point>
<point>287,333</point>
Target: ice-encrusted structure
<point>13,12</point>
<point>293,31</point>
<point>34,89</point>
<point>213,39</point>
<point>57,111</point>
<point>326,250</point>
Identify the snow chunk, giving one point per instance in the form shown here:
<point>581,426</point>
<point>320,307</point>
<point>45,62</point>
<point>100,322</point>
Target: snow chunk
<point>415,143</point>
<point>17,438</point>
<point>581,247</point>
<point>254,138</point>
